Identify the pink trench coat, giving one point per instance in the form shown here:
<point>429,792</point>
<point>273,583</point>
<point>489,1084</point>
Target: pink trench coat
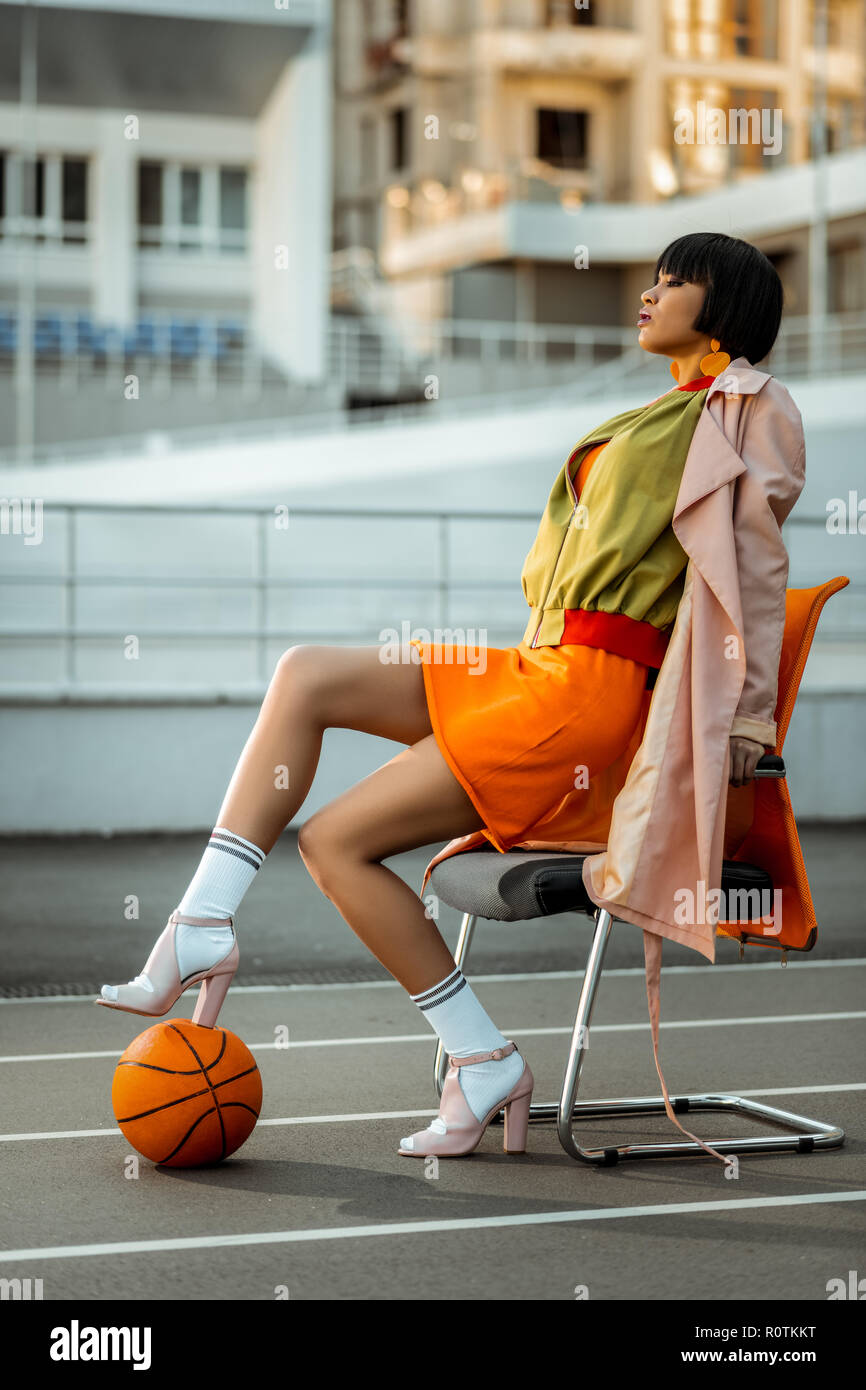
<point>743,473</point>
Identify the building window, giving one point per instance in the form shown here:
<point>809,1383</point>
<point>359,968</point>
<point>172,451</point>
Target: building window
<point>190,197</point>
<point>44,197</point>
<point>729,29</point>
<point>401,18</point>
<point>74,199</point>
<point>847,278</point>
<point>840,130</point>
<point>720,132</point>
<point>561,137</point>
<point>369,163</point>
<point>834,23</point>
<point>191,207</point>
<point>233,208</point>
<point>398,138</point>
<point>32,176</point>
<point>750,29</point>
<point>748,153</point>
<point>149,200</point>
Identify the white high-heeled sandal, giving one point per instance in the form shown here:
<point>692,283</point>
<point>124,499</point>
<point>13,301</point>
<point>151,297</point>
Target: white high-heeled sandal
<point>456,1131</point>
<point>159,986</point>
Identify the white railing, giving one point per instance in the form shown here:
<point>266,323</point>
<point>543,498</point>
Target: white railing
<point>308,421</point>
<point>177,346</point>
<point>103,577</point>
<point>480,362</point>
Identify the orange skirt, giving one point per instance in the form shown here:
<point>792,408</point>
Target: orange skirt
<point>540,738</point>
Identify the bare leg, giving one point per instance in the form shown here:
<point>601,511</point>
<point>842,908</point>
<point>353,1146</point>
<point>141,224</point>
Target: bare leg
<point>314,688</point>
<point>412,800</point>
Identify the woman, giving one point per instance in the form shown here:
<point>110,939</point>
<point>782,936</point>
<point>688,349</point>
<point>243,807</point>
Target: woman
<point>528,745</point>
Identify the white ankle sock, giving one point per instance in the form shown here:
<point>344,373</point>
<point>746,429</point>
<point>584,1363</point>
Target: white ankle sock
<point>455,1014</point>
<point>228,867</point>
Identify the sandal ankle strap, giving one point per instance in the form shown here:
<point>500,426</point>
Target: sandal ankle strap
<point>495,1056</point>
<point>182,920</point>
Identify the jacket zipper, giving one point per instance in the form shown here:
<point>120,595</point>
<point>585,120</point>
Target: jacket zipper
<point>559,552</point>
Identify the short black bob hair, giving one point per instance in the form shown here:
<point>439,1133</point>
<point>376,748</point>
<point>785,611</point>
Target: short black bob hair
<point>743,304</point>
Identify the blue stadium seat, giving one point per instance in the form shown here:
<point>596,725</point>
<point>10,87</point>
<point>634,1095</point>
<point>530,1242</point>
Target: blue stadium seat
<point>146,338</point>
<point>230,335</point>
<point>185,337</point>
<point>47,329</point>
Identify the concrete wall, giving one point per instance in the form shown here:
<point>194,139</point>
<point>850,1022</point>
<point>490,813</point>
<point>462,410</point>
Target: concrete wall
<point>100,409</point>
<point>103,767</point>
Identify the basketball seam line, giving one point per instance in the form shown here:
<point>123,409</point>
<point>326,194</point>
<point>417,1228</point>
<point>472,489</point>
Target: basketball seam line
<point>209,1083</point>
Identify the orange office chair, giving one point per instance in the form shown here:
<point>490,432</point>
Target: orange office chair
<point>762,854</point>
<point>759,825</point>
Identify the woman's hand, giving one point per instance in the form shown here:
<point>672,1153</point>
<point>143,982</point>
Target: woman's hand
<point>745,755</point>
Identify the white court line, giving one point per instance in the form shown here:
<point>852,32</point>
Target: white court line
<point>576,974</point>
<point>524,1033</point>
<point>408,1228</point>
<point>408,1114</point>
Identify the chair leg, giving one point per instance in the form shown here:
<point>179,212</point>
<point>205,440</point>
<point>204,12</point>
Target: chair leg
<point>804,1136</point>
<point>807,1134</point>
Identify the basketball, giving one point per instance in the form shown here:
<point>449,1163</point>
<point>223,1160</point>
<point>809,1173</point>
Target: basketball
<point>184,1095</point>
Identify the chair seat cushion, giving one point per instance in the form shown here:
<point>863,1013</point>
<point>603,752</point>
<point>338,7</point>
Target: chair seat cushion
<point>522,884</point>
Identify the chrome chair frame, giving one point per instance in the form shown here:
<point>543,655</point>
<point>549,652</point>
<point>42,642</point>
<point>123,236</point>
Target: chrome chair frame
<point>804,1135</point>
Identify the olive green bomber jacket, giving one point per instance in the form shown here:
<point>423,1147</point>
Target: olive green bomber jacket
<point>606,568</point>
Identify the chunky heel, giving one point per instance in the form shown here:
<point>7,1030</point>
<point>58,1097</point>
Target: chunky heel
<point>456,1130</point>
<point>159,986</point>
<point>211,998</point>
<point>516,1122</point>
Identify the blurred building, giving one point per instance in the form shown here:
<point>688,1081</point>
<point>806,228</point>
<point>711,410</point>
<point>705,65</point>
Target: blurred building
<point>215,212</point>
<point>164,210</point>
<point>479,144</point>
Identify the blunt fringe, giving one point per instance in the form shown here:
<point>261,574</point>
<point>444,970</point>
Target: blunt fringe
<point>743,303</point>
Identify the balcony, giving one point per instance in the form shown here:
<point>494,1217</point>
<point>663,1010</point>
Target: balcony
<point>443,225</point>
<point>584,50</point>
<point>536,211</point>
<point>594,52</point>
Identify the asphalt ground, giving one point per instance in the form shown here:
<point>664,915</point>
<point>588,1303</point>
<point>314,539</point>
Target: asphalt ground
<point>66,898</point>
<point>318,1204</point>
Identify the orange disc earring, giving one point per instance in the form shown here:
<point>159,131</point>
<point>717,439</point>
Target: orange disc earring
<point>715,362</point>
